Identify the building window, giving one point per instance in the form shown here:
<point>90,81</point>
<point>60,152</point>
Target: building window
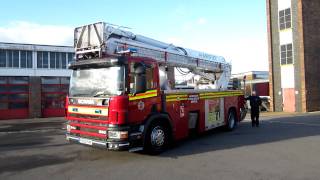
<point>52,60</point>
<point>285,19</point>
<point>70,57</point>
<point>45,60</point>
<point>64,60</point>
<point>286,54</point>
<point>9,58</point>
<point>25,59</point>
<point>59,60</point>
<point>29,59</point>
<point>39,59</point>
<point>15,59</point>
<point>55,60</point>
<point>42,59</point>
<point>3,58</point>
<point>12,58</point>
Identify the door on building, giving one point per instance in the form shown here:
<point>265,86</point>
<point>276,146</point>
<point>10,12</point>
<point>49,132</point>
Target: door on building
<point>14,97</point>
<point>289,101</point>
<point>53,93</point>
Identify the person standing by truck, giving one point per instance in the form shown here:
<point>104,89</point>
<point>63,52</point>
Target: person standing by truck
<point>255,103</point>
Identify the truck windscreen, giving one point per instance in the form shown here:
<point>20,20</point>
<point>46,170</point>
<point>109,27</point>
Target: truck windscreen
<point>97,82</point>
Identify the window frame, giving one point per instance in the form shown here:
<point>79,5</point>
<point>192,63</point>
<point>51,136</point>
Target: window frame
<point>149,75</point>
<point>285,57</point>
<point>283,18</point>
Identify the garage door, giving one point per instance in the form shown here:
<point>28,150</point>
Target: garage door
<point>14,97</point>
<point>54,91</point>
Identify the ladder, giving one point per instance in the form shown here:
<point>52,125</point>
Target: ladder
<point>98,39</point>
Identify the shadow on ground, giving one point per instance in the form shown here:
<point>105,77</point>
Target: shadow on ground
<point>30,126</point>
<point>272,130</point>
<point>21,163</point>
<point>30,140</point>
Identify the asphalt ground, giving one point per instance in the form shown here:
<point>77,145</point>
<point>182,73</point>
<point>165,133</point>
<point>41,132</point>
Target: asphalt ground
<point>285,146</point>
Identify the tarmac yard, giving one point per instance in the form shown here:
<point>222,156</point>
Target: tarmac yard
<point>283,147</point>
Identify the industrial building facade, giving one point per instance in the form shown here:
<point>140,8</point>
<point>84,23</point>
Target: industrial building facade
<point>294,54</point>
<point>34,80</point>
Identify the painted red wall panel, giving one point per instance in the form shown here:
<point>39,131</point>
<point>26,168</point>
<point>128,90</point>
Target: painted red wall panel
<point>289,102</point>
<point>14,114</point>
<point>53,112</point>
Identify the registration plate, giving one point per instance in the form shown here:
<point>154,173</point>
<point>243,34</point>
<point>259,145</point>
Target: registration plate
<point>85,141</point>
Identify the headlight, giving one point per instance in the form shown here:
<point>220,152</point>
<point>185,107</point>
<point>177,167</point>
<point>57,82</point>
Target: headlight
<point>70,128</point>
<point>102,132</point>
<point>118,134</point>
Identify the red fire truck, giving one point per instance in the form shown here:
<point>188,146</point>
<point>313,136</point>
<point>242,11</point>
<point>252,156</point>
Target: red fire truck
<point>124,96</point>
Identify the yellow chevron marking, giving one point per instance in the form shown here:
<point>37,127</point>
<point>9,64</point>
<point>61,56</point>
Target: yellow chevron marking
<point>147,94</point>
<point>207,95</point>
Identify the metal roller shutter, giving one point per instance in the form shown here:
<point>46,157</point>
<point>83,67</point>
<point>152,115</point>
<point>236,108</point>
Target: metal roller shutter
<point>14,97</point>
<point>54,91</point>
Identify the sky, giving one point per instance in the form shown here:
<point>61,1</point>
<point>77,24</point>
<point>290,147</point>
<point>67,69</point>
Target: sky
<point>234,29</point>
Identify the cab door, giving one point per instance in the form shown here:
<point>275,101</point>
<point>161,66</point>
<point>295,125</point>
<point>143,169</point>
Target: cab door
<point>144,95</point>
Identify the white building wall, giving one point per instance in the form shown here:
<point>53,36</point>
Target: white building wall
<point>35,72</point>
<point>286,37</point>
<point>284,4</point>
<point>287,76</point>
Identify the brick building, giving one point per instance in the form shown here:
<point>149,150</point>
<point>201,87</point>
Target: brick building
<point>34,80</point>
<point>294,54</point>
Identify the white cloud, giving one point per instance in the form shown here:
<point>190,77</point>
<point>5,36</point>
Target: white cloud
<point>202,21</point>
<point>246,53</point>
<point>180,12</point>
<point>33,33</point>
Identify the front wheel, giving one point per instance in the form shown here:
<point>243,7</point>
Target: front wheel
<point>156,138</point>
<point>232,122</point>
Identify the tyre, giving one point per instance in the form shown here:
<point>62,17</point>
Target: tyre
<point>232,121</point>
<point>156,138</point>
<point>243,113</point>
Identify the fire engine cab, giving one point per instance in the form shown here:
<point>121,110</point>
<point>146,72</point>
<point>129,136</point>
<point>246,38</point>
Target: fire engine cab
<point>123,92</point>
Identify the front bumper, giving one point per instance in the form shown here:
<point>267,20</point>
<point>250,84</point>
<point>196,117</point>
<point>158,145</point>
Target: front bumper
<point>112,145</point>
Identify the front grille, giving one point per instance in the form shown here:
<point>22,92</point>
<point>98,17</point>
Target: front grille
<point>78,125</point>
<point>89,130</point>
<point>105,118</point>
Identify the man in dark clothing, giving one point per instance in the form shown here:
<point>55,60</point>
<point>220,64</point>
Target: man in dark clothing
<point>255,103</point>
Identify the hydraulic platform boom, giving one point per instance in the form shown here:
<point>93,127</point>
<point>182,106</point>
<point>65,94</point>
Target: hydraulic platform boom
<point>100,39</point>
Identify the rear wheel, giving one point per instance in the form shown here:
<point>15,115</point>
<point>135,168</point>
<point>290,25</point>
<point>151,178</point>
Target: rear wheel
<point>156,138</point>
<point>232,121</point>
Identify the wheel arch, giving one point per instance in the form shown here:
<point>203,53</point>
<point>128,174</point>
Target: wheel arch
<point>160,118</point>
<point>234,110</point>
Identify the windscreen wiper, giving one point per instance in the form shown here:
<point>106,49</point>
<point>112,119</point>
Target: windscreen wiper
<point>81,95</point>
<point>100,93</point>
